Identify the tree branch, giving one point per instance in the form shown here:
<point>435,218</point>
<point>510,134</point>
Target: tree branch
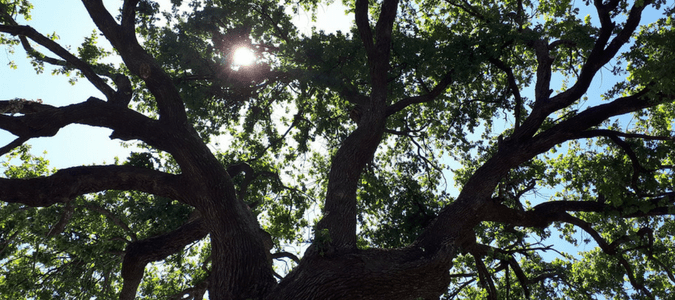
<point>611,250</point>
<point>70,59</point>
<point>13,144</point>
<point>483,273</point>
<point>544,61</point>
<point>63,221</point>
<point>139,62</point>
<point>363,25</point>
<point>41,120</point>
<point>631,277</point>
<point>598,57</point>
<point>287,255</point>
<point>574,127</point>
<point>140,253</point>
<point>435,92</point>
<point>544,214</point>
<point>116,220</point>
<point>637,167</point>
<point>338,225</point>
<point>606,132</point>
<point>69,183</point>
<point>513,86</point>
<point>249,176</point>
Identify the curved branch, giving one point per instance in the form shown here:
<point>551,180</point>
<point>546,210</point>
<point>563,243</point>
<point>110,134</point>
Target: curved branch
<point>249,176</point>
<point>28,48</point>
<point>513,86</point>
<point>287,255</point>
<point>139,62</point>
<point>117,221</point>
<point>13,144</point>
<point>631,277</point>
<point>41,120</point>
<point>433,94</point>
<point>70,59</point>
<point>637,167</point>
<point>611,250</point>
<point>574,127</point>
<point>69,183</point>
<point>140,253</point>
<point>363,25</point>
<point>544,214</point>
<point>598,57</point>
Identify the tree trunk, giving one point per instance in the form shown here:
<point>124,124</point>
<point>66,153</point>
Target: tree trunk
<point>407,273</point>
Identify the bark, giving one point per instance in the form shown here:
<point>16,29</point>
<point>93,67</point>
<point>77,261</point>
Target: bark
<point>339,216</point>
<point>408,273</point>
<point>66,184</point>
<point>333,267</point>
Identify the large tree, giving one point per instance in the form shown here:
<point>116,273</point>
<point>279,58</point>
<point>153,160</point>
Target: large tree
<point>363,131</point>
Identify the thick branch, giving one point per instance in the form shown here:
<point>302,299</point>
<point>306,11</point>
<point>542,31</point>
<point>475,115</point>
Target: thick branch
<point>363,24</point>
<point>69,183</point>
<point>129,17</point>
<point>139,62</point>
<point>339,222</point>
<point>42,120</point>
<point>455,222</point>
<point>484,274</point>
<point>378,50</point>
<point>593,116</point>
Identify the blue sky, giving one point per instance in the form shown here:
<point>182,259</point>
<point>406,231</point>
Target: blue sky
<point>82,145</point>
<point>76,144</point>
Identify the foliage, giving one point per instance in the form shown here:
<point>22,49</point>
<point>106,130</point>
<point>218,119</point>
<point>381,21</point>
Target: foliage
<point>431,136</point>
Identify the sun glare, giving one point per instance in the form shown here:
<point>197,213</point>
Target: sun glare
<point>243,56</point>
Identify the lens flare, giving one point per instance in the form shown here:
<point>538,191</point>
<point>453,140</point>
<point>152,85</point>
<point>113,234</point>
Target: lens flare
<point>243,57</point>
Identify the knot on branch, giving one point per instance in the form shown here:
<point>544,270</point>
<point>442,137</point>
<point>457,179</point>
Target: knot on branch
<point>123,95</point>
<point>20,105</point>
<point>144,71</point>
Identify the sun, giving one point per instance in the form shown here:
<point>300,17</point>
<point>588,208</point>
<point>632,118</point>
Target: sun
<point>243,57</point>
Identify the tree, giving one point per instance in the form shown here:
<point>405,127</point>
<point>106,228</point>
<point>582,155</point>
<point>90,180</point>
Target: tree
<point>362,124</point>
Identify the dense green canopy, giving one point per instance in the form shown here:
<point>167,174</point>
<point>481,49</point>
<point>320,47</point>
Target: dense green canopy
<point>349,148</point>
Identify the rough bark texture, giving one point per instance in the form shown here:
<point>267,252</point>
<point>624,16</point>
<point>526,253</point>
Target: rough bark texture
<point>332,268</point>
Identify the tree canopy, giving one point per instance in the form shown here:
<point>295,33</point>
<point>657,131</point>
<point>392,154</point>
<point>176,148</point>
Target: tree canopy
<point>348,145</point>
